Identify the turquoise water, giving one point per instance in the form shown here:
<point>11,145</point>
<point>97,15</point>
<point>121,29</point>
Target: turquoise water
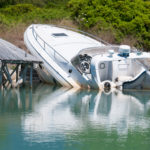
<point>50,118</point>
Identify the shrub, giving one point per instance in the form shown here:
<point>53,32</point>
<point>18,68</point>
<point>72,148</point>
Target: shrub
<point>28,13</point>
<point>18,9</point>
<point>3,20</point>
<point>125,17</point>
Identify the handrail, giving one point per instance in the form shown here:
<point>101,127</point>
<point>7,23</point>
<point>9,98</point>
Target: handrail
<point>36,35</point>
<point>44,43</point>
<point>84,33</point>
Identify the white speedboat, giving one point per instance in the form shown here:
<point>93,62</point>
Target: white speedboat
<point>78,59</point>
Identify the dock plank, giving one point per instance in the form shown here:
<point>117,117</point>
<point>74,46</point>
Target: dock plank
<point>9,52</point>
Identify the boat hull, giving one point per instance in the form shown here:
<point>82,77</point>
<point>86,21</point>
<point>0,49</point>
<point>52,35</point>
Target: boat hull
<point>57,50</point>
<point>45,71</point>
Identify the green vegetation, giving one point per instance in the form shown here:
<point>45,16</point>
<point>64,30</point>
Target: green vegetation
<point>125,18</point>
<point>37,12</point>
<point>117,21</point>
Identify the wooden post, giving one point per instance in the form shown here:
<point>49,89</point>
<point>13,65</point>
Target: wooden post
<point>24,73</point>
<point>17,73</point>
<point>6,71</point>
<point>11,74</point>
<point>31,74</point>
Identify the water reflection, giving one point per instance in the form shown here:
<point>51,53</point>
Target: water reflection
<point>22,99</point>
<point>46,114</point>
<point>67,111</point>
<point>15,100</point>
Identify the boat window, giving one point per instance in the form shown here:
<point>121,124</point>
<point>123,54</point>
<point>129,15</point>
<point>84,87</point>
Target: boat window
<point>59,34</point>
<point>102,66</point>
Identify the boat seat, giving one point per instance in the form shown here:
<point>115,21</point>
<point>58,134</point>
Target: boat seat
<point>124,78</point>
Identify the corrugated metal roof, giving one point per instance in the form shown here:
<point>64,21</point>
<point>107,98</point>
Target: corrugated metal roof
<point>9,52</point>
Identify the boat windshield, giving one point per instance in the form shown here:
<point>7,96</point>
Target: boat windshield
<point>98,50</point>
<point>93,51</point>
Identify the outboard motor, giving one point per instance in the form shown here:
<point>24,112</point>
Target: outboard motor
<point>124,51</point>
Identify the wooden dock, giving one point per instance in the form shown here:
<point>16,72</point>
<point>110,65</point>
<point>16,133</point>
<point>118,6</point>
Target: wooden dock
<point>19,61</point>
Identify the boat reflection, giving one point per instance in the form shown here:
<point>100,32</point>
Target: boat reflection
<point>50,113</point>
<point>65,111</point>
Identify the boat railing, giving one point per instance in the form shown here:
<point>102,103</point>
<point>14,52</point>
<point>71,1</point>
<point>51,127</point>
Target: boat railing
<point>84,33</point>
<point>47,48</point>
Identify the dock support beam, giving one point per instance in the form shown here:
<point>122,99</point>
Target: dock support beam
<point>24,72</point>
<point>17,73</point>
<point>12,76</point>
<point>8,76</point>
